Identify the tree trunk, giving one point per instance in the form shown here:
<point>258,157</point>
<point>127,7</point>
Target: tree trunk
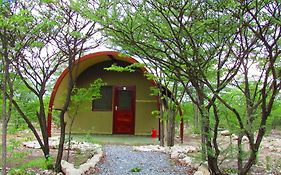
<point>71,83</point>
<point>43,127</point>
<point>61,143</point>
<point>203,135</point>
<point>4,138</point>
<point>68,145</point>
<point>249,164</point>
<point>162,128</point>
<point>62,131</point>
<point>196,116</point>
<point>70,132</point>
<point>240,152</point>
<point>162,133</point>
<point>31,127</point>
<point>213,165</point>
<point>210,152</point>
<point>171,128</point>
<point>5,117</point>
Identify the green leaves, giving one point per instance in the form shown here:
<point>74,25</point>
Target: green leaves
<point>135,169</point>
<point>87,94</point>
<point>37,44</point>
<point>6,2</point>
<point>76,34</point>
<point>45,26</point>
<point>130,68</point>
<point>81,95</point>
<point>47,1</point>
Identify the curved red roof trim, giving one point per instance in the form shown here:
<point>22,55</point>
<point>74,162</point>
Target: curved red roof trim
<point>65,72</point>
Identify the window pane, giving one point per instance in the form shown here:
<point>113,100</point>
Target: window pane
<point>124,101</point>
<point>105,102</point>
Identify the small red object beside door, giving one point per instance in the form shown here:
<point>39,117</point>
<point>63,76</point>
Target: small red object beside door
<point>153,133</point>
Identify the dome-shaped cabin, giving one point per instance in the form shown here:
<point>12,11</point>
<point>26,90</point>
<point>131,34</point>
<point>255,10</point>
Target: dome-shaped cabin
<point>126,102</point>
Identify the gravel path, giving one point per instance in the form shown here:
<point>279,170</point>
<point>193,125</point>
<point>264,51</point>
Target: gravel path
<point>119,160</point>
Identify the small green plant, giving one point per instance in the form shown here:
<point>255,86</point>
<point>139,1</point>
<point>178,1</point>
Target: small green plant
<point>13,143</point>
<point>38,163</point>
<point>88,137</point>
<point>78,152</point>
<point>268,163</point>
<point>49,163</point>
<point>135,169</point>
<point>14,155</point>
<point>19,171</point>
<point>17,156</point>
<point>12,129</point>
<point>230,170</point>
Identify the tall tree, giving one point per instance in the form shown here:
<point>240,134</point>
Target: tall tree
<point>259,78</point>
<point>170,94</point>
<point>200,43</point>
<point>76,36</point>
<point>11,20</point>
<point>191,39</point>
<point>5,115</point>
<point>45,35</point>
<point>31,59</point>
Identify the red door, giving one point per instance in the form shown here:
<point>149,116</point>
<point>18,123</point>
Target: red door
<point>124,110</point>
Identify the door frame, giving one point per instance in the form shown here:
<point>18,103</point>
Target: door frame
<point>133,105</point>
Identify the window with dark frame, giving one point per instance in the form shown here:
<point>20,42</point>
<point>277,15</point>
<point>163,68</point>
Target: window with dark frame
<point>105,102</point>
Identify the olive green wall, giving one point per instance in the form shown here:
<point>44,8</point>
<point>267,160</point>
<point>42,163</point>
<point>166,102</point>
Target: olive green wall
<point>101,122</point>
